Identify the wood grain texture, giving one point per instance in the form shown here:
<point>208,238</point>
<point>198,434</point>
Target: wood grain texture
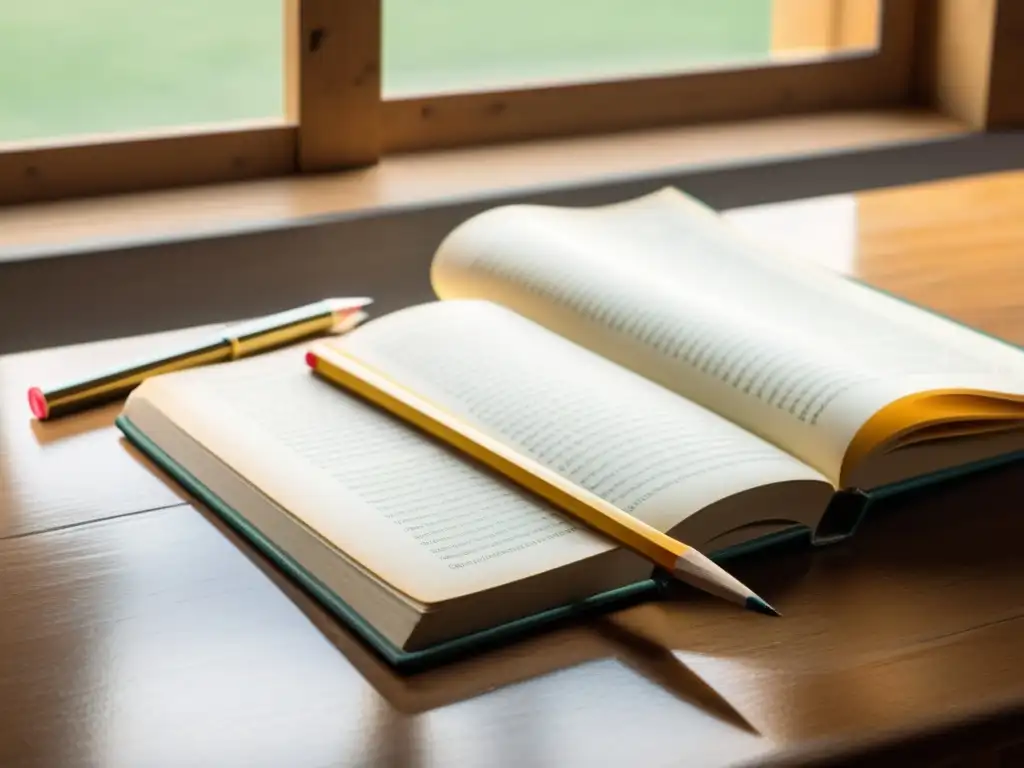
<point>954,246</point>
<point>333,81</point>
<point>428,178</point>
<point>162,639</point>
<point>70,471</point>
<point>434,122</point>
<point>159,159</point>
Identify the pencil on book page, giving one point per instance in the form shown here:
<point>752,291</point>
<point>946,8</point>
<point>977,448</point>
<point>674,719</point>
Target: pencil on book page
<point>683,562</point>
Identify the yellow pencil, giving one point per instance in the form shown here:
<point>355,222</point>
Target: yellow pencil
<point>683,562</point>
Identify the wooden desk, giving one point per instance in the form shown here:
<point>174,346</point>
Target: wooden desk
<point>135,630</point>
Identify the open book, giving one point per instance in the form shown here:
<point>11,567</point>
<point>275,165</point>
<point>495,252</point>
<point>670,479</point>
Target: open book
<point>645,351</point>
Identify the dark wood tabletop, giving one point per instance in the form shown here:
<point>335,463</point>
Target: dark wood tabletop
<point>137,630</point>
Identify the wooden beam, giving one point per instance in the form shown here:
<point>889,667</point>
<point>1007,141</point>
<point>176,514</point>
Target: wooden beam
<point>157,159</point>
<point>803,25</point>
<point>333,81</point>
<point>955,41</point>
<point>435,122</point>
<point>858,24</point>
<point>824,26</point>
<point>426,179</point>
<point>970,61</point>
<point>1006,67</point>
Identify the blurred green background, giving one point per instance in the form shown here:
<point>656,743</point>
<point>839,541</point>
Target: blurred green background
<point>93,66</point>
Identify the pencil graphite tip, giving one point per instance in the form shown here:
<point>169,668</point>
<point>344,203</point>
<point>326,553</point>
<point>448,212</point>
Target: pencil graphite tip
<point>347,313</point>
<point>755,603</point>
<point>344,306</point>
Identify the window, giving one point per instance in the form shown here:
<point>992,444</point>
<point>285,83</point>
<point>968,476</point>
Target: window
<point>219,90</point>
<point>70,67</point>
<point>460,45</point>
<point>663,62</point>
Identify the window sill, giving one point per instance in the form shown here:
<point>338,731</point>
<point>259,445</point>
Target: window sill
<point>419,180</point>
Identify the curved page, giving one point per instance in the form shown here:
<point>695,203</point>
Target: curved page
<point>626,439</point>
<point>418,515</point>
<point>788,350</point>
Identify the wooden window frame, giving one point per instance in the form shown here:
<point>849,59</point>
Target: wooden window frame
<point>816,27</point>
<point>956,56</point>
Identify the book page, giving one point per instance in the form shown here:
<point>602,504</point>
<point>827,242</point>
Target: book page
<point>626,439</point>
<point>406,507</point>
<point>786,349</point>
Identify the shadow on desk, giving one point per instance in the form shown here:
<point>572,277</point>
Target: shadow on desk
<point>563,646</point>
<point>923,605</point>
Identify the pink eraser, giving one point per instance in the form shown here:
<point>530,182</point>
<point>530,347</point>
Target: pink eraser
<point>37,402</point>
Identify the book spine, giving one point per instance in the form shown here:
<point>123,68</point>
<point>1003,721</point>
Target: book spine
<point>842,517</point>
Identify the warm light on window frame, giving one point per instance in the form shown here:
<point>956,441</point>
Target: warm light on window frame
<point>945,53</point>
